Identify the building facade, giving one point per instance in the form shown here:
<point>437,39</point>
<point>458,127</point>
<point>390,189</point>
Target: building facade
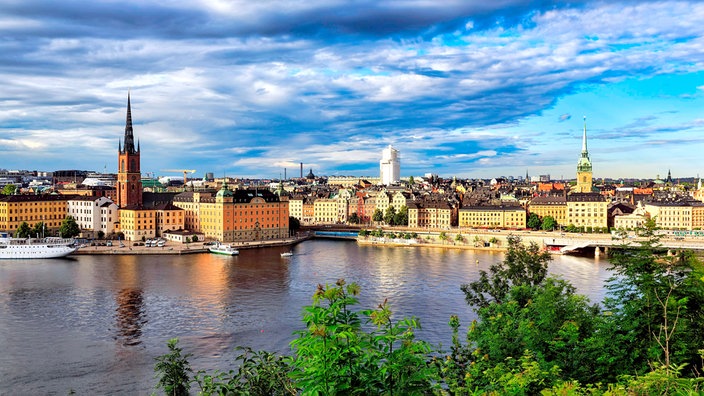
<point>32,209</point>
<point>93,215</point>
<point>493,216</point>
<point>390,166</point>
<point>587,210</point>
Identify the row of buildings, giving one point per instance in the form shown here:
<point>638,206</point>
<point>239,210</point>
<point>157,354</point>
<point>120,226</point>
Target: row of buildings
<point>241,213</point>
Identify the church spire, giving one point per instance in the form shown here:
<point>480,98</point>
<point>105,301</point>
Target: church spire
<point>584,138</point>
<point>129,137</point>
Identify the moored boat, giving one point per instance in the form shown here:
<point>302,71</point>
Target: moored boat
<point>221,248</point>
<point>286,254</point>
<point>35,248</point>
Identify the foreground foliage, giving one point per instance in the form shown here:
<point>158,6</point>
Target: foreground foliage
<point>534,335</point>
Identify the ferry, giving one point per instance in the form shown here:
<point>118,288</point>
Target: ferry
<point>35,248</point>
<point>220,248</point>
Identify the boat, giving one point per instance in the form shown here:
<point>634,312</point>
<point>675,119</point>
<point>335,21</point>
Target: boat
<point>35,248</point>
<point>220,248</point>
<point>286,254</point>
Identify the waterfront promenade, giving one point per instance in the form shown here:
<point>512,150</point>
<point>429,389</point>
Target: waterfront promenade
<point>176,248</point>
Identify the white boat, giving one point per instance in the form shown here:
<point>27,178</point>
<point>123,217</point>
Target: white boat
<point>286,254</point>
<point>221,248</point>
<point>35,248</point>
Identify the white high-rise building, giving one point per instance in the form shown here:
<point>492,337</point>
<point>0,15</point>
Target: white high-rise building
<point>390,166</point>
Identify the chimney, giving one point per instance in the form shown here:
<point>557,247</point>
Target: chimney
<point>301,170</point>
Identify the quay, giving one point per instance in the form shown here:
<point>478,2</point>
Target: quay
<point>173,248</point>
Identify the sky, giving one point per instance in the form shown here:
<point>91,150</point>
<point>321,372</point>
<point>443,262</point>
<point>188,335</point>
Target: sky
<point>465,88</point>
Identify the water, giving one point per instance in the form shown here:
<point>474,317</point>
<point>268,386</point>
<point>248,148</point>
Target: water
<point>94,324</point>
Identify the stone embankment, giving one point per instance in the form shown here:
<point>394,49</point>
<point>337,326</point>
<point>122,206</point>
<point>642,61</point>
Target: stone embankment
<point>182,248</point>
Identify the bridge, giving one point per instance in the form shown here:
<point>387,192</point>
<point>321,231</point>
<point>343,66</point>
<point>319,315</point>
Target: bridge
<point>602,242</point>
<point>336,234</point>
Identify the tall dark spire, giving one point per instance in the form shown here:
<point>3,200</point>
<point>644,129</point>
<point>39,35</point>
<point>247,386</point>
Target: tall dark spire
<point>129,137</point>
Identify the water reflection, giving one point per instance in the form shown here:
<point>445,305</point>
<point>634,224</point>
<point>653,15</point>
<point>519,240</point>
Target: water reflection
<point>130,316</point>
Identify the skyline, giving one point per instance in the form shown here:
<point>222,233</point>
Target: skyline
<point>461,88</point>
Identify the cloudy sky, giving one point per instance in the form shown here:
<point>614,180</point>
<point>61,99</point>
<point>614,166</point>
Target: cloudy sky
<point>467,88</point>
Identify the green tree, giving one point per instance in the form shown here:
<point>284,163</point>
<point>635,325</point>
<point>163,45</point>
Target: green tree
<point>377,216</point>
<point>411,181</point>
<point>258,373</point>
<point>548,223</point>
<point>459,238</point>
<point>443,236</point>
<point>101,234</point>
<point>195,238</point>
<point>38,230</point>
<point>335,355</point>
<point>9,189</point>
<point>654,305</point>
<point>23,231</point>
<point>533,221</point>
<point>363,233</point>
<point>293,225</point>
<point>401,217</point>
<point>353,219</point>
<point>389,215</point>
<point>173,370</point>
<point>69,228</point>
<point>523,265</point>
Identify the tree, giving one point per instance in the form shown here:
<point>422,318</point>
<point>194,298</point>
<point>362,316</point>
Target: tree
<point>389,215</point>
<point>69,228</point>
<point>195,238</point>
<point>336,354</point>
<point>548,223</point>
<point>38,230</point>
<point>173,370</point>
<point>293,224</point>
<point>459,238</point>
<point>401,217</point>
<point>377,216</point>
<point>533,221</point>
<point>411,181</point>
<point>443,236</point>
<point>23,231</point>
<point>9,189</point>
<point>523,266</point>
<point>654,305</point>
<point>101,234</point>
<point>353,219</point>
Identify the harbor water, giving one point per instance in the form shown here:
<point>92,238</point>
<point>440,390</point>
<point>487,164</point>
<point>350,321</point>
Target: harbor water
<point>94,324</point>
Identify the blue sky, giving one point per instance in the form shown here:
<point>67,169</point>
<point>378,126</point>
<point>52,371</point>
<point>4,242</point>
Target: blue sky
<point>462,88</point>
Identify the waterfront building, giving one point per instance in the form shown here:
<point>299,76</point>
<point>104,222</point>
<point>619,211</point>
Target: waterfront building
<point>137,223</point>
<point>32,209</point>
<point>399,199</point>
<point>239,215</point>
<point>584,166</point>
<point>631,221</point>
<point>493,216</point>
<point>430,212</point>
<point>678,215</point>
<point>325,211</point>
<point>189,201</point>
<point>554,206</point>
<point>383,200</point>
<point>93,214</point>
<point>168,217</point>
<point>587,210</point>
<point>129,176</point>
<point>390,166</point>
<point>295,207</point>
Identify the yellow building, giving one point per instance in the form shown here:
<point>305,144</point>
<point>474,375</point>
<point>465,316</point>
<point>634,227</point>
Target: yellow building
<point>190,203</point>
<point>295,207</point>
<point>587,210</point>
<point>241,215</point>
<point>677,215</point>
<point>554,206</point>
<point>325,211</point>
<point>137,223</point>
<point>33,209</point>
<point>493,216</point>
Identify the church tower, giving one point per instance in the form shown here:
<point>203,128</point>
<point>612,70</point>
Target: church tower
<point>129,177</point>
<point>584,166</point>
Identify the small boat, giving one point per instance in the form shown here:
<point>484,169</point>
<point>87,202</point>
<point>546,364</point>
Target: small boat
<point>286,254</point>
<point>221,248</point>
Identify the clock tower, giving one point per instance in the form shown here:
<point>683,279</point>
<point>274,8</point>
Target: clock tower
<point>129,177</point>
<point>584,166</point>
